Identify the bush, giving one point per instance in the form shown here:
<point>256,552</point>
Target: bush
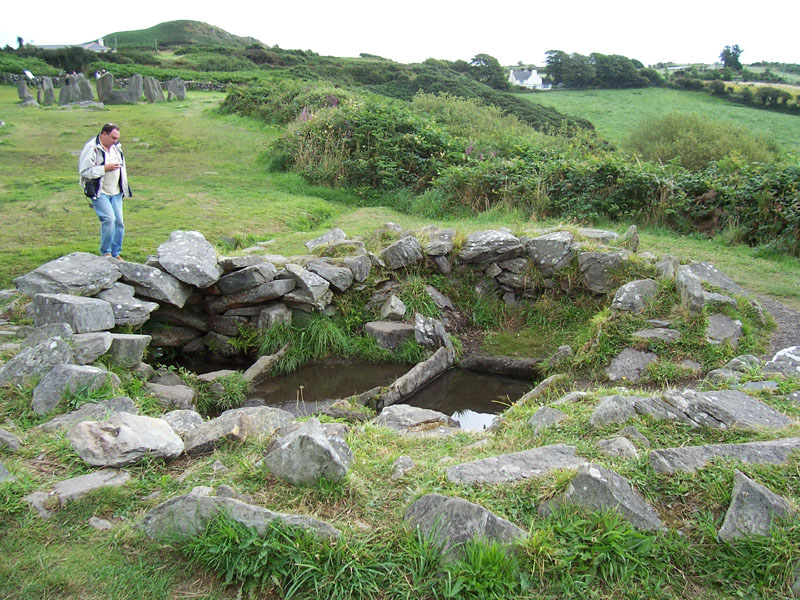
<point>695,142</point>
<point>717,87</point>
<point>11,63</point>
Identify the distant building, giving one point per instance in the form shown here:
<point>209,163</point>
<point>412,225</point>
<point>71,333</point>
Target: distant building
<point>527,78</point>
<point>97,46</point>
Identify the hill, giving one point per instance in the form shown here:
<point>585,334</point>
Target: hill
<point>178,33</point>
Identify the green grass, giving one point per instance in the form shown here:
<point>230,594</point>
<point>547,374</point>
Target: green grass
<point>615,113</point>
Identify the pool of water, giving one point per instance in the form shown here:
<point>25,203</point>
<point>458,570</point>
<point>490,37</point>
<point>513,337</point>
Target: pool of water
<point>473,399</point>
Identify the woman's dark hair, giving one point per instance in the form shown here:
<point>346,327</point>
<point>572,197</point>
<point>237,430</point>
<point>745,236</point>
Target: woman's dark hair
<point>109,127</point>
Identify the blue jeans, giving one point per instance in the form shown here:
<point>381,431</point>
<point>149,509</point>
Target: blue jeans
<point>112,228</point>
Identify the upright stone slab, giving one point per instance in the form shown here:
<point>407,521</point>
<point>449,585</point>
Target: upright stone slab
<point>176,89</point>
<point>83,314</point>
<point>62,379</point>
<point>135,88</point>
<point>152,90</point>
<point>189,257</point>
<point>22,91</point>
<point>65,95</point>
<point>49,92</point>
<point>83,88</point>
<point>455,521</point>
<point>79,273</point>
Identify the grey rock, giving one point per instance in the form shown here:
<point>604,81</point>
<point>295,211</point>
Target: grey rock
<point>545,417</point>
<point>535,462</point>
<point>62,379</point>
<point>220,344</point>
<point>9,440</point>
<point>152,90</point>
<point>88,347</point>
<point>100,524</point>
<point>551,252</point>
<point>598,489</point>
<point>38,501</point>
<point>515,265</point>
<point>124,439</point>
<point>454,522</point>
<point>36,361</point>
<point>84,89</point>
<point>82,314</point>
<point>785,361</point>
<point>360,266</point>
<point>561,354</point>
<point>613,409</point>
<point>258,295</point>
<point>45,332</point>
<point>405,418</point>
<point>183,421</point>
<point>185,517</point>
<point>441,264</point>
<point>690,289</point>
<point>127,349</point>
<point>630,365</point>
<point>331,236</point>
<point>760,386</point>
<point>389,334</point>
<point>22,91</point>
<point>490,246</point>
<point>393,309</point>
<point>306,456</point>
<point>91,411</point>
<point>5,474</point>
<point>436,241</point>
<point>430,332</point>
<point>135,88</point>
<point>227,325</point>
<point>238,424</point>
<point>234,263</point>
<point>543,386</point>
<point>401,466</point>
<point>600,236</point>
<point>752,510</point>
<point>79,273</point>
<point>635,435</point>
<point>77,487</point>
<point>667,267</point>
<point>247,278</point>
<point>127,309</point>
<point>189,257</point>
<point>176,89</point>
<point>716,301</point>
<point>688,459</point>
<point>631,239</point>
<point>402,253</point>
<point>596,269</point>
<point>173,337</point>
<point>151,282</point>
<point>668,336</point>
<point>441,301</point>
<point>340,278</point>
<point>49,91</point>
<point>708,273</point>
<point>302,300</point>
<point>633,296</point>
<point>173,396</point>
<point>722,329</point>
<point>620,447</point>
<point>570,398</point>
<point>274,314</point>
<point>416,378</point>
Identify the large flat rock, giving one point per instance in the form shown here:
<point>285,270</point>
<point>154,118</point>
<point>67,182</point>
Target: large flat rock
<point>690,458</point>
<point>519,465</point>
<point>79,273</point>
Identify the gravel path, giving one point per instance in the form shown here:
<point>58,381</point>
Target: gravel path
<point>787,319</point>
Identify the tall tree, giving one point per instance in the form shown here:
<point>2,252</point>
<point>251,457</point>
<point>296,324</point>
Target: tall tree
<point>486,69</point>
<point>730,57</point>
<point>556,60</point>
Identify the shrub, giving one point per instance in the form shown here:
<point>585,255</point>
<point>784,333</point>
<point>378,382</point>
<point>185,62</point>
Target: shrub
<point>696,141</point>
<point>717,87</point>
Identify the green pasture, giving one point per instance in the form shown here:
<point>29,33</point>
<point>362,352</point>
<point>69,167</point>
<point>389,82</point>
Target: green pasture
<point>615,113</point>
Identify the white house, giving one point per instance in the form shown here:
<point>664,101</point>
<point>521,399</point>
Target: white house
<point>527,78</point>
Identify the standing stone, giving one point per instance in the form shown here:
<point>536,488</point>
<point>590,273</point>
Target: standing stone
<point>22,91</point>
<point>752,510</point>
<point>135,88</point>
<point>307,455</point>
<point>65,95</point>
<point>176,88</point>
<point>83,89</point>
<point>107,94</point>
<point>631,239</point>
<point>49,92</point>
<point>68,378</point>
<point>83,314</point>
<point>189,257</point>
<point>152,90</point>
<point>455,521</point>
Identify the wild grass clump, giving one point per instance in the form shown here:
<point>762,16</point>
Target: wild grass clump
<point>213,400</point>
<point>694,142</point>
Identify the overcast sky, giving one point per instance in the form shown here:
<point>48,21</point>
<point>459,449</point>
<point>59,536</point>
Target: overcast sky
<point>411,31</point>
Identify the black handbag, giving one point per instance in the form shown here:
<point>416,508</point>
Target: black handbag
<point>91,187</point>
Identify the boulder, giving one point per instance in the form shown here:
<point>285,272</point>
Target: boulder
<point>307,455</point>
<point>535,462</point>
<point>690,289</point>
<point>551,252</point>
<point>389,334</point>
<point>688,459</point>
<point>88,347</point>
<point>402,253</point>
<point>189,257</point>
<point>393,309</point>
<point>436,241</point>
<point>36,361</point>
<point>9,440</point>
<point>124,439</point>
<point>752,510</point>
<point>723,330</point>
<point>401,466</point>
<point>127,309</point>
<point>708,273</point>
<point>63,379</point>
<point>630,365</point>
<point>127,349</point>
<point>599,489</point>
<point>79,273</point>
<point>633,296</point>
<point>404,418</point>
<point>274,314</point>
<point>618,447</point>
<point>186,517</point>
<point>490,246</point>
<point>454,522</point>
<point>630,239</point>
<point>173,396</point>
<point>238,424</point>
<point>151,282</point>
<point>545,417</point>
<point>91,411</point>
<point>331,236</point>
<point>183,421</point>
<point>77,487</point>
<point>82,314</point>
<point>785,361</point>
<point>597,268</point>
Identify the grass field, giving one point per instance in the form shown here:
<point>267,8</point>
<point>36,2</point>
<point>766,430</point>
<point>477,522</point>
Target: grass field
<point>616,112</point>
